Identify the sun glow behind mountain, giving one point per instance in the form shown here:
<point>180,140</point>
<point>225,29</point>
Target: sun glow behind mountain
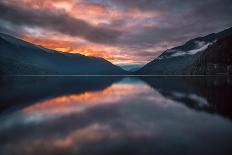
<point>123,32</point>
<point>66,46</point>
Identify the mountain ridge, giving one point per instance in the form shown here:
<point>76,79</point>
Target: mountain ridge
<point>216,59</point>
<point>177,60</point>
<point>20,57</point>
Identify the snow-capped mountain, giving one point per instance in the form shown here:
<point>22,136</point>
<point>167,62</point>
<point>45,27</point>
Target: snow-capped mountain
<point>178,60</point>
<point>20,57</point>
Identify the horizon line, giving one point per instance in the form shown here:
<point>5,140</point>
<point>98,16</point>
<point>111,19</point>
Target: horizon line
<point>125,75</point>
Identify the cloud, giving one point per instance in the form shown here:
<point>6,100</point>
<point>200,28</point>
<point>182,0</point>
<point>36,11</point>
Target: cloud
<point>57,21</point>
<point>179,22</point>
<point>138,29</point>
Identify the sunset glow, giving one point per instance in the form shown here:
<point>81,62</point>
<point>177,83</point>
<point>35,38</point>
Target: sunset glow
<point>121,31</point>
<point>115,77</point>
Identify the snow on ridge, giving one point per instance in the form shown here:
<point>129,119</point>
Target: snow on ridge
<point>195,51</point>
<point>200,46</point>
<point>178,53</point>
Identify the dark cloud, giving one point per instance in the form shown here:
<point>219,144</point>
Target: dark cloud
<point>179,21</point>
<point>58,21</point>
<point>170,23</point>
<point>175,6</point>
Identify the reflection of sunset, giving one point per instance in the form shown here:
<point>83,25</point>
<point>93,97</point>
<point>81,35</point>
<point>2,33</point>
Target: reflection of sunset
<point>90,134</point>
<point>78,102</point>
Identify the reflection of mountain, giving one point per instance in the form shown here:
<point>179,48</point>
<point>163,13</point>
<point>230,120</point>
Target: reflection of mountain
<point>139,121</point>
<point>211,94</point>
<point>20,91</point>
<point>217,91</point>
<point>178,60</point>
<point>20,57</point>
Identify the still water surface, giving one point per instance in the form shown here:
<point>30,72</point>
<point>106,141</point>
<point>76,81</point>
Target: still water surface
<point>113,115</point>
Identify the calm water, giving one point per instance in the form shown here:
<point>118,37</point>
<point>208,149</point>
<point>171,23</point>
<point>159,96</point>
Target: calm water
<point>116,115</point>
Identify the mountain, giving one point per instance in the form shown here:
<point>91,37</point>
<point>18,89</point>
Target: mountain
<point>217,59</point>
<point>20,57</point>
<point>178,60</point>
<point>131,67</point>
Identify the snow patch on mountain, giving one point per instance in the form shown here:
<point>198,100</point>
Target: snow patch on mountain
<point>191,52</point>
<point>199,47</point>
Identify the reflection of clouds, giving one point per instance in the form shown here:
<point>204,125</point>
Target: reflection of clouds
<point>199,101</point>
<point>139,121</point>
<point>116,93</point>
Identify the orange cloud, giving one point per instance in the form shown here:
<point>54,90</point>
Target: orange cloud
<point>111,54</point>
<point>95,14</point>
<point>42,4</point>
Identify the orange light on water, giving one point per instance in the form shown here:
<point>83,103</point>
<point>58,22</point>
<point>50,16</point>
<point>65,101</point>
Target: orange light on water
<point>109,95</point>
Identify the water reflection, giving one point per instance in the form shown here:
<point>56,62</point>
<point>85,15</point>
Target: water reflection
<point>129,116</point>
<point>18,92</point>
<point>209,94</point>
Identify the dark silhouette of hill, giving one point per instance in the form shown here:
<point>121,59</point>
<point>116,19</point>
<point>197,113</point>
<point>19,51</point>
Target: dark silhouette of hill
<point>20,57</point>
<point>217,59</point>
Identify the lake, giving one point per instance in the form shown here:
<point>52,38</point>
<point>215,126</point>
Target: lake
<point>116,115</point>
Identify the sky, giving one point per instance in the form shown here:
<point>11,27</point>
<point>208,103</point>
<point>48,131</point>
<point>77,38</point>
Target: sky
<point>121,31</point>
